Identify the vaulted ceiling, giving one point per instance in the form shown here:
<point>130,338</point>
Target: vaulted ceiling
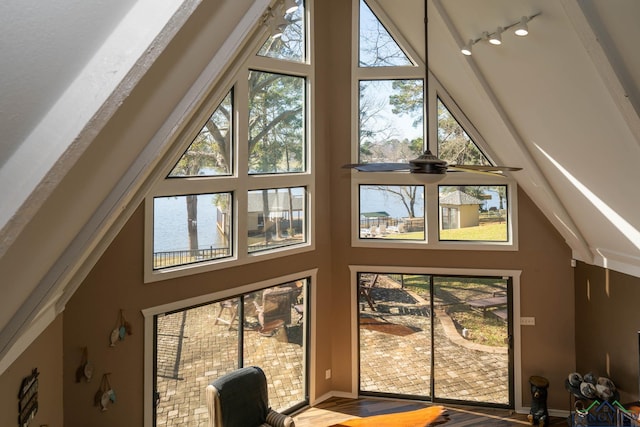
<point>563,103</point>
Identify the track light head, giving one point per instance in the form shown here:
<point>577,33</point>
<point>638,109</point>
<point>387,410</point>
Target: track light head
<point>278,25</point>
<point>466,49</point>
<point>522,29</point>
<point>496,38</point>
<point>290,6</point>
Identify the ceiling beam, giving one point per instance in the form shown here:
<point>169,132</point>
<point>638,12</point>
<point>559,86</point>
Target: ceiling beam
<point>539,188</point>
<point>610,67</point>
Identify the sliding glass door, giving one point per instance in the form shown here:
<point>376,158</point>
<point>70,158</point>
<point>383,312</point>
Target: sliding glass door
<point>195,345</point>
<point>441,338</point>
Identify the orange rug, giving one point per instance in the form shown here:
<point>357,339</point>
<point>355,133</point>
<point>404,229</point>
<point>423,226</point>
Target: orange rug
<point>418,418</point>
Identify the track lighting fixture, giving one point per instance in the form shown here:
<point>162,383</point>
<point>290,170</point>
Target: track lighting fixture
<point>274,17</point>
<point>466,49</point>
<point>290,6</point>
<point>520,29</point>
<point>278,25</point>
<point>496,38</point>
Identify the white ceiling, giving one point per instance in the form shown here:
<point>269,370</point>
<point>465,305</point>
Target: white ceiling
<point>45,45</point>
<point>562,103</point>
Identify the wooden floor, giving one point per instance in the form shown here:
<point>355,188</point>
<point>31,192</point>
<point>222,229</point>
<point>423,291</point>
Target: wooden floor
<point>336,410</point>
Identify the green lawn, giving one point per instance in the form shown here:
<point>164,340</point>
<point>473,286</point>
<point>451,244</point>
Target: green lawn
<point>452,293</point>
<point>493,232</point>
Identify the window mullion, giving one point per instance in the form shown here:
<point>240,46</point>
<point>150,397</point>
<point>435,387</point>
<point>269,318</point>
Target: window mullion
<point>242,163</point>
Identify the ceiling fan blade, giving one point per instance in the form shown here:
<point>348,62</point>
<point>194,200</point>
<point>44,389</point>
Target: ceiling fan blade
<point>378,167</point>
<point>495,170</point>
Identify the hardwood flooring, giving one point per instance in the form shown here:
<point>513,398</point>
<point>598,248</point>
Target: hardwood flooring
<point>336,410</point>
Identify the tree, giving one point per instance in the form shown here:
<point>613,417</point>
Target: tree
<point>275,126</point>
<point>454,145</point>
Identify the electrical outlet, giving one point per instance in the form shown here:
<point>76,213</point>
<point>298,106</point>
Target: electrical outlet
<point>327,374</point>
<point>528,321</point>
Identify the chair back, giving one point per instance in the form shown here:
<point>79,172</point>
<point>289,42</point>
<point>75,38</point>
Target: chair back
<point>238,399</point>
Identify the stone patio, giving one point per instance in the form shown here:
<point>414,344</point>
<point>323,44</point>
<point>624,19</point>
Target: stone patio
<point>193,350</point>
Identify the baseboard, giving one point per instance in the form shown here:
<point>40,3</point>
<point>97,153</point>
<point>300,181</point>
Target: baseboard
<point>329,395</point>
<point>553,412</point>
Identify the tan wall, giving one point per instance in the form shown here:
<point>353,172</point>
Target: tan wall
<point>116,283</point>
<point>607,327</point>
<point>544,259</point>
<point>116,280</point>
<point>45,355</point>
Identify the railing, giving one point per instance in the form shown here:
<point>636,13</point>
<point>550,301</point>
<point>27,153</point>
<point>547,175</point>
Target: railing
<point>171,258</point>
<point>405,225</point>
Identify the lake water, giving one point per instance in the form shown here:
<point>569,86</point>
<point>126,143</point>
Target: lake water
<point>170,217</point>
<point>170,224</point>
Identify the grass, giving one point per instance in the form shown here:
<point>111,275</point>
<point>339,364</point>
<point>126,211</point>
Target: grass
<point>451,293</point>
<point>491,232</point>
<point>494,232</point>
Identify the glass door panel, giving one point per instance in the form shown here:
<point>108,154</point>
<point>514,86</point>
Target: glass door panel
<point>471,339</point>
<point>196,345</point>
<point>395,334</point>
<point>193,347</point>
<point>439,338</point>
<point>274,339</point>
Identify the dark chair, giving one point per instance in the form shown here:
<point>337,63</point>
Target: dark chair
<point>240,399</point>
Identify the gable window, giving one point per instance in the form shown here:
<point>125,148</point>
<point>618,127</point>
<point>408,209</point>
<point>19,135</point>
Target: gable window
<point>473,213</point>
<point>240,184</point>
<point>377,48</point>
<point>394,212</point>
<point>460,210</point>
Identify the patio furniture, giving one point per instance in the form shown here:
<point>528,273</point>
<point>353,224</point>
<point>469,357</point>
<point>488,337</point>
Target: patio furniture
<point>486,303</point>
<point>240,399</point>
<point>230,306</point>
<point>365,286</point>
<point>275,310</point>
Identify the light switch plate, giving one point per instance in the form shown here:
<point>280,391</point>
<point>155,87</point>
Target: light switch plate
<point>528,321</point>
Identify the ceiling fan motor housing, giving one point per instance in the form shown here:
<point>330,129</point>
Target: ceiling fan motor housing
<point>428,163</point>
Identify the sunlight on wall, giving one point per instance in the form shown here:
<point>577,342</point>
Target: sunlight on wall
<point>626,229</point>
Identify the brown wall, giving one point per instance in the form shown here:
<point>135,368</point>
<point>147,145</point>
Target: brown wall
<point>607,327</point>
<point>544,258</point>
<point>45,355</point>
<point>116,281</point>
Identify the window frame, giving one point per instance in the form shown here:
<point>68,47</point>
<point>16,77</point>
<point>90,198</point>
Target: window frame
<point>149,330</point>
<point>434,91</point>
<point>239,182</point>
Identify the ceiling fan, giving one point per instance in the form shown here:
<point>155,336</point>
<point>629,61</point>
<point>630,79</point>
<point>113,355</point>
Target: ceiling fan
<point>427,163</point>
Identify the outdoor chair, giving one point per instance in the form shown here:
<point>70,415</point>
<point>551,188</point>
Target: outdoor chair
<point>366,285</point>
<point>240,399</point>
<point>275,310</point>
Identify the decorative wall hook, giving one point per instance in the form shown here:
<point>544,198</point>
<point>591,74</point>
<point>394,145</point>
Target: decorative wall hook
<point>105,394</point>
<point>85,370</point>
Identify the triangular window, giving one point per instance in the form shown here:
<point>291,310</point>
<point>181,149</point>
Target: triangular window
<point>287,39</point>
<point>377,48</point>
<point>210,152</point>
<point>454,144</point>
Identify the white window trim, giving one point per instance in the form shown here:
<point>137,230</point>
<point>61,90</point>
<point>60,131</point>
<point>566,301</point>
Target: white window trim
<point>150,312</point>
<point>432,211</point>
<point>517,339</point>
<point>435,91</point>
<point>239,183</point>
